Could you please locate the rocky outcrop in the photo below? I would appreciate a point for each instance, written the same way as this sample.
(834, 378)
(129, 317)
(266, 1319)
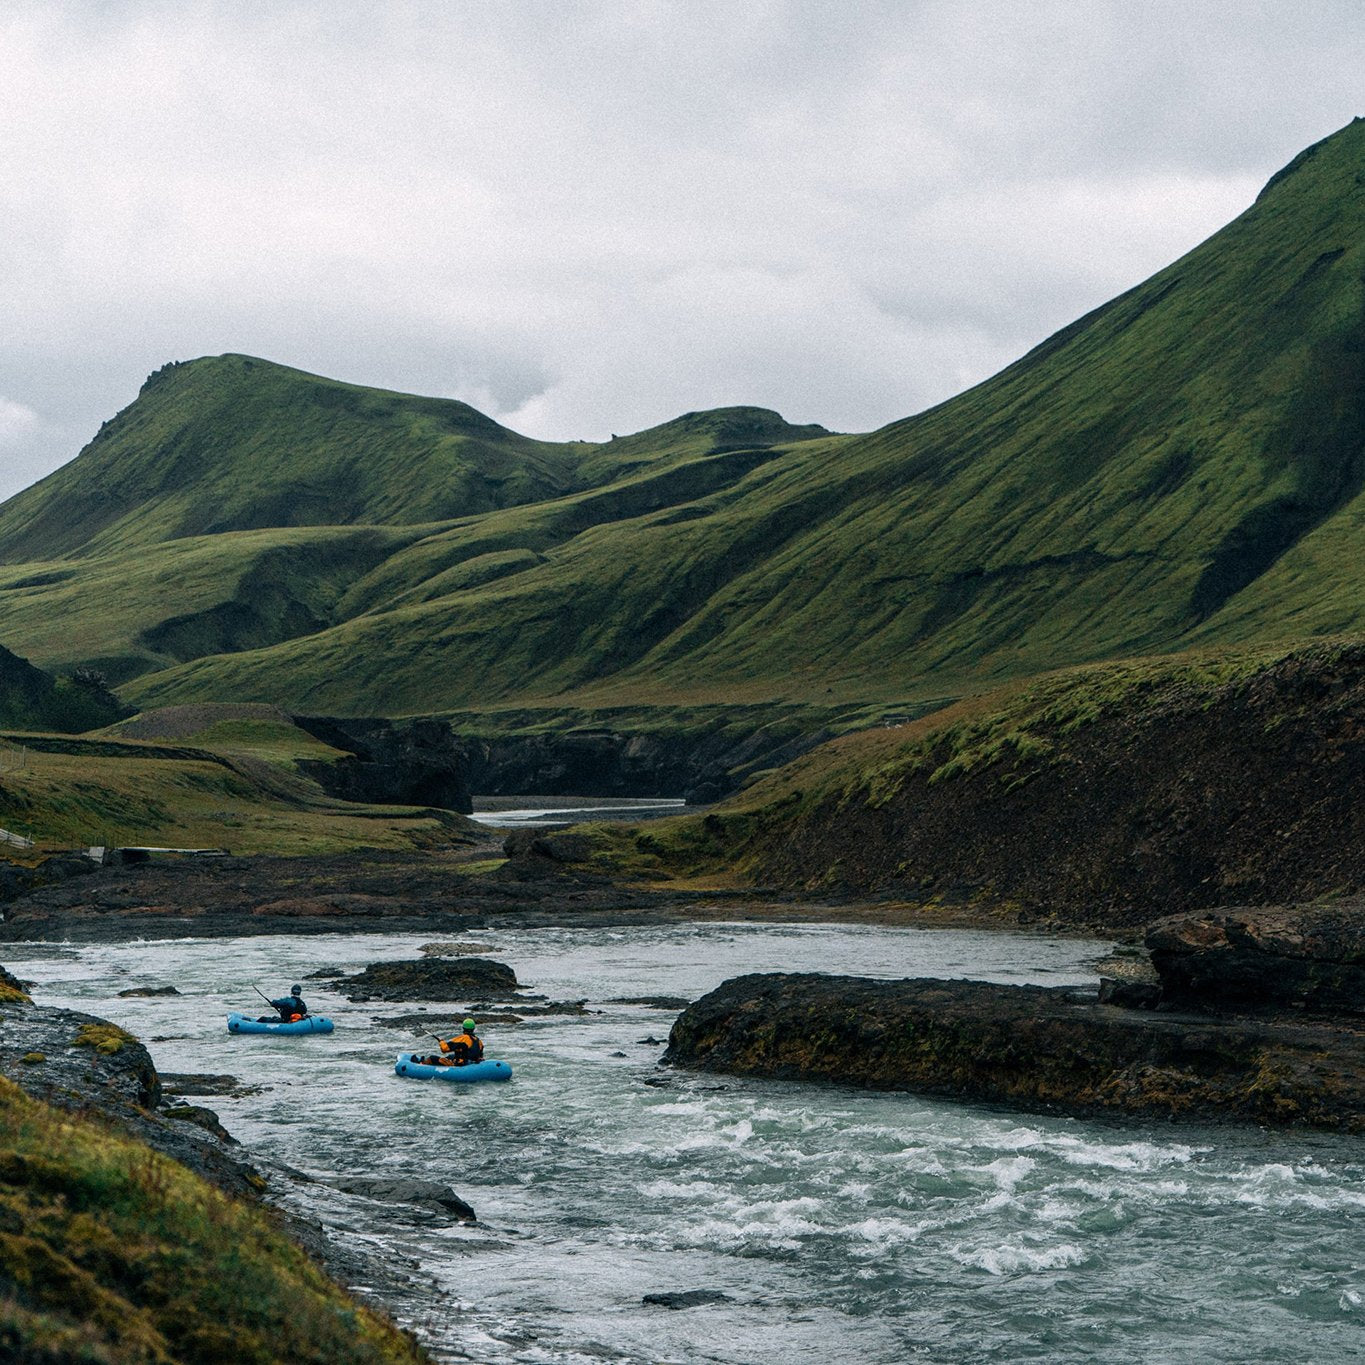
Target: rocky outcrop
(701, 765)
(409, 763)
(1112, 798)
(433, 978)
(1026, 1045)
(82, 1063)
(1311, 957)
(17, 879)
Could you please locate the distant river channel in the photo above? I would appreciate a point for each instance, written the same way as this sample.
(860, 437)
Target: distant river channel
(842, 1226)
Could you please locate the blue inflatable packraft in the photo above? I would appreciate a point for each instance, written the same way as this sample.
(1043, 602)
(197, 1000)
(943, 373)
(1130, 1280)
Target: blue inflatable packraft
(311, 1023)
(408, 1065)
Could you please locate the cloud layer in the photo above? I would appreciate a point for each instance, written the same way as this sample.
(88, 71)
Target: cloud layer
(588, 218)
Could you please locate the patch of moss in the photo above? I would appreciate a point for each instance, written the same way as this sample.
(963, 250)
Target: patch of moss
(33, 1058)
(104, 1038)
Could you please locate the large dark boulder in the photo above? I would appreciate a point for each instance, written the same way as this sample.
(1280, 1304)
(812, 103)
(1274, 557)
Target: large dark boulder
(1304, 955)
(433, 978)
(1025, 1045)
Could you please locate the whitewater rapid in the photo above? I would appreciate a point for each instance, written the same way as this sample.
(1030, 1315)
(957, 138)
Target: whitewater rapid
(842, 1226)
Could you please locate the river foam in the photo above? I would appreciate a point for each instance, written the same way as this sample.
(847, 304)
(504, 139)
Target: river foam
(842, 1226)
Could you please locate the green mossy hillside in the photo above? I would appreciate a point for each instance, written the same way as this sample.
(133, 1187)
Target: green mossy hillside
(1182, 468)
(1108, 795)
(111, 1254)
(240, 792)
(33, 699)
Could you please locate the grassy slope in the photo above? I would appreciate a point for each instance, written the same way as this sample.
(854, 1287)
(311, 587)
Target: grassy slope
(244, 793)
(1108, 794)
(30, 698)
(1183, 466)
(232, 443)
(115, 1255)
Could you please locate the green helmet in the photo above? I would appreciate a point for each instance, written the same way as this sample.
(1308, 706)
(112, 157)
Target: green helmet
(468, 1023)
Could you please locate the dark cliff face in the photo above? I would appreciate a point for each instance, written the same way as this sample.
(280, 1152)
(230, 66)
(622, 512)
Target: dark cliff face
(407, 763)
(1304, 957)
(701, 766)
(1026, 1046)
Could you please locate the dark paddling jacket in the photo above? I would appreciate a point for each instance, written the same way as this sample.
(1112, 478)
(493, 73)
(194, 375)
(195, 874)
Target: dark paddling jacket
(290, 1007)
(463, 1050)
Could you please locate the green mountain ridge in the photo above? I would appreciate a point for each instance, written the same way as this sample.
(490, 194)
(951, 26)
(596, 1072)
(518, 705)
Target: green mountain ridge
(1181, 468)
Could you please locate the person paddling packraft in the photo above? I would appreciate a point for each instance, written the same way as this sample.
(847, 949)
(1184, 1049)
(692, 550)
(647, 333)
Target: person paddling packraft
(291, 1007)
(464, 1049)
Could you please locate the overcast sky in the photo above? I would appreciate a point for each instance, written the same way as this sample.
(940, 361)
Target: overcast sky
(585, 217)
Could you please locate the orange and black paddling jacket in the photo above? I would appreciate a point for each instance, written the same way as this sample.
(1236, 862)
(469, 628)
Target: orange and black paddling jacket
(463, 1050)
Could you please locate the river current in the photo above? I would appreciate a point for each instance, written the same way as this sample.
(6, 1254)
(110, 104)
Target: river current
(842, 1226)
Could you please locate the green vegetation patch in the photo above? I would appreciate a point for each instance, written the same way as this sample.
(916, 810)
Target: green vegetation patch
(105, 1038)
(113, 1254)
(132, 794)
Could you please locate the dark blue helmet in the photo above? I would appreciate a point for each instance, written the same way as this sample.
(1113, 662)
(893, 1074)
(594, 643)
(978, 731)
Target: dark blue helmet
(296, 990)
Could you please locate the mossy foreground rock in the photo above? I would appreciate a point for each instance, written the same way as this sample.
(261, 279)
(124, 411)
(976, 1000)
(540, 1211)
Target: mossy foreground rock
(1025, 1045)
(110, 1252)
(433, 978)
(1309, 956)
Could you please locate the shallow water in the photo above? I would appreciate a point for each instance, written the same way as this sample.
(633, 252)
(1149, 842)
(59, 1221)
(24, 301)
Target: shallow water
(844, 1226)
(549, 811)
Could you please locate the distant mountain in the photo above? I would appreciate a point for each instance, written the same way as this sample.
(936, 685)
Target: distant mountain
(1182, 467)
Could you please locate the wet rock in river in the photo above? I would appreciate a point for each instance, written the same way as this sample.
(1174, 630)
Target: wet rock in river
(425, 1194)
(201, 1118)
(433, 978)
(205, 1083)
(687, 1298)
(1027, 1045)
(147, 991)
(654, 1002)
(452, 949)
(1309, 956)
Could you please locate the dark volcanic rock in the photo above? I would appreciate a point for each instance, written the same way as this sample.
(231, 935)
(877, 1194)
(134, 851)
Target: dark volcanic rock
(16, 879)
(557, 847)
(426, 1194)
(149, 991)
(200, 1083)
(433, 978)
(1133, 995)
(1310, 956)
(121, 1084)
(687, 1298)
(413, 763)
(654, 1002)
(1025, 1045)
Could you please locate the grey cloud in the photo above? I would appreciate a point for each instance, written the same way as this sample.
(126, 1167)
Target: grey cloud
(591, 217)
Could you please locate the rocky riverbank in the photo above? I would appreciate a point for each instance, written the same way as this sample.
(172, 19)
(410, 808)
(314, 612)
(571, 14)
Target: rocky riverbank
(124, 1212)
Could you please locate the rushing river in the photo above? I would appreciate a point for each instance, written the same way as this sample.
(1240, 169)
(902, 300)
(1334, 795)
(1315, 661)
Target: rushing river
(843, 1226)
